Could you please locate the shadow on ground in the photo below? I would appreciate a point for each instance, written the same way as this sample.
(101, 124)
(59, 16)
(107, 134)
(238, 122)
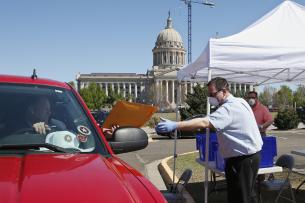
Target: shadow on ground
(196, 190)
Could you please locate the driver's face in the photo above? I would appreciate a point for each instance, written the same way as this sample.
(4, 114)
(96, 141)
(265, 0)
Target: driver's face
(42, 110)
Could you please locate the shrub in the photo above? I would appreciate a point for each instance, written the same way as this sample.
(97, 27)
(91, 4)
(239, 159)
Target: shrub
(286, 119)
(196, 103)
(301, 113)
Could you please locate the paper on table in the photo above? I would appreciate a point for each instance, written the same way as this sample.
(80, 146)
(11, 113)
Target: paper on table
(129, 114)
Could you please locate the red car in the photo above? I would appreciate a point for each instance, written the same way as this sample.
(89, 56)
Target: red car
(52, 150)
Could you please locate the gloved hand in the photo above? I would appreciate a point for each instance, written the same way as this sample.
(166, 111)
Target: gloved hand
(166, 126)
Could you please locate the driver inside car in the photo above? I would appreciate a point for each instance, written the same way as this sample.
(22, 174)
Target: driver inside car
(38, 117)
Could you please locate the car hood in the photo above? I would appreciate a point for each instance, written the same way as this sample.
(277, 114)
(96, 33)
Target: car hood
(68, 178)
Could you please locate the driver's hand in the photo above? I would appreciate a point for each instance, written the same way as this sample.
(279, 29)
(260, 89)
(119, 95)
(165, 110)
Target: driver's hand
(108, 131)
(41, 128)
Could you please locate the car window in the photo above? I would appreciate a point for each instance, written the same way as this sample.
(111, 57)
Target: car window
(30, 114)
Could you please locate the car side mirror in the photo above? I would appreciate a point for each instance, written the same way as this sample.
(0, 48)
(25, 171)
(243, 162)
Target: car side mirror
(128, 139)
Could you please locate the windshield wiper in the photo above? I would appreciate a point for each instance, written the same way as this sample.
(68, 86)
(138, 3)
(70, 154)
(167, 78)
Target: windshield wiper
(37, 146)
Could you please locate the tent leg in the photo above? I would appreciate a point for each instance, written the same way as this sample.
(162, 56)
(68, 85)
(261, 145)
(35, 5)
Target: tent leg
(207, 141)
(176, 133)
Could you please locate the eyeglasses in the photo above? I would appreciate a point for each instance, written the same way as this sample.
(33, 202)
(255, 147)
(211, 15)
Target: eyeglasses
(214, 93)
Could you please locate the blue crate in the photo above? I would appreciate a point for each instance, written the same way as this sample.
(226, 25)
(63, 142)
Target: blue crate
(198, 141)
(200, 145)
(269, 151)
(219, 161)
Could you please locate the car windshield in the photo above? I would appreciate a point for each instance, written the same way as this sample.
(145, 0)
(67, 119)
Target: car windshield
(45, 119)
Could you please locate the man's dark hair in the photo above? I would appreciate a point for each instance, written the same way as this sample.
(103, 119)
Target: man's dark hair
(220, 83)
(253, 92)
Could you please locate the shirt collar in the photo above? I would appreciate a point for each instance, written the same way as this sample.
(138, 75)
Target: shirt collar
(229, 98)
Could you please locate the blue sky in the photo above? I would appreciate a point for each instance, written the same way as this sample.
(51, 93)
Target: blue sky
(63, 37)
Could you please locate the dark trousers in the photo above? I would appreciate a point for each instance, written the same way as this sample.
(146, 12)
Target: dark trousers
(241, 173)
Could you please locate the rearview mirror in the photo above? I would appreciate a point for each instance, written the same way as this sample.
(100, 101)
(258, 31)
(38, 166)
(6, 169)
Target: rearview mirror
(128, 139)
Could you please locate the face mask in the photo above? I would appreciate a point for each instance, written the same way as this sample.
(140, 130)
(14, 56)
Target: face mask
(251, 102)
(213, 101)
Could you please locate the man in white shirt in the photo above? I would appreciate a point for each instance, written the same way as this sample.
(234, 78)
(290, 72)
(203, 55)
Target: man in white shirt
(238, 137)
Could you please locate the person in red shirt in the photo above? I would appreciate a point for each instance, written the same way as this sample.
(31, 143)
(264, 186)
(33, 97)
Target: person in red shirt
(262, 115)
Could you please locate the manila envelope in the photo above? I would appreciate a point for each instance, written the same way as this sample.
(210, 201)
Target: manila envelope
(129, 114)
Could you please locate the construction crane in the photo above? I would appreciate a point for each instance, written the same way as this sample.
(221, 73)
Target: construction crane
(189, 24)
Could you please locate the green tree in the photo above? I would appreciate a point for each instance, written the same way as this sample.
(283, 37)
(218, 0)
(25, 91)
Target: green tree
(266, 97)
(113, 97)
(241, 94)
(284, 97)
(196, 103)
(299, 96)
(286, 119)
(93, 96)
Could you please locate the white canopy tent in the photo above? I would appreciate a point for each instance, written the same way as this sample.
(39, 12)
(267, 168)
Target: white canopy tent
(271, 50)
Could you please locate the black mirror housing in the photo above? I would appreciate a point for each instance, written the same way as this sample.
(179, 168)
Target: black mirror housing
(128, 139)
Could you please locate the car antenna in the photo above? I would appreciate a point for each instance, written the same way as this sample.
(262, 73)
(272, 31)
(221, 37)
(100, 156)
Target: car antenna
(34, 76)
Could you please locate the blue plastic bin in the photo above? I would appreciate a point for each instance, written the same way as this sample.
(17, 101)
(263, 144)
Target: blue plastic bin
(200, 145)
(219, 161)
(269, 151)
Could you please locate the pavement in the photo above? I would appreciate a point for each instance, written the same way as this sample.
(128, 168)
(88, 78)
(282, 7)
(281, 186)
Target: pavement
(163, 177)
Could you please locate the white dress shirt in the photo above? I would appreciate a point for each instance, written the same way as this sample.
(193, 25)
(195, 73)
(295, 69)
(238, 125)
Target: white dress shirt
(236, 128)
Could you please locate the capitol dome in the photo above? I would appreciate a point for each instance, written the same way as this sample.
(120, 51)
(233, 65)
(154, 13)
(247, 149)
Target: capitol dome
(169, 36)
(169, 51)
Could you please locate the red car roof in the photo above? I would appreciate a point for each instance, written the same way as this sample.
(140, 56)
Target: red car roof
(29, 80)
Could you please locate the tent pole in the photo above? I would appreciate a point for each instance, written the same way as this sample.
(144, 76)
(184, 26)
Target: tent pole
(207, 141)
(176, 132)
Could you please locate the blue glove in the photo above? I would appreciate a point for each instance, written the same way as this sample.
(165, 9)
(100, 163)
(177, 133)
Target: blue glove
(166, 126)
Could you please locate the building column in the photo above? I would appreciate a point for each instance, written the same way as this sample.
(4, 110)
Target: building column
(106, 88)
(156, 91)
(161, 95)
(251, 87)
(234, 87)
(192, 90)
(174, 58)
(124, 90)
(129, 87)
(135, 90)
(245, 87)
(173, 91)
(142, 87)
(118, 84)
(185, 88)
(240, 87)
(112, 87)
(166, 85)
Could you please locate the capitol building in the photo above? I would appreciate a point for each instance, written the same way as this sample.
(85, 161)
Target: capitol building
(159, 85)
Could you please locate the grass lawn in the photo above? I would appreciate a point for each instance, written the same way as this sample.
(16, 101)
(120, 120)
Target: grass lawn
(196, 186)
(170, 116)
